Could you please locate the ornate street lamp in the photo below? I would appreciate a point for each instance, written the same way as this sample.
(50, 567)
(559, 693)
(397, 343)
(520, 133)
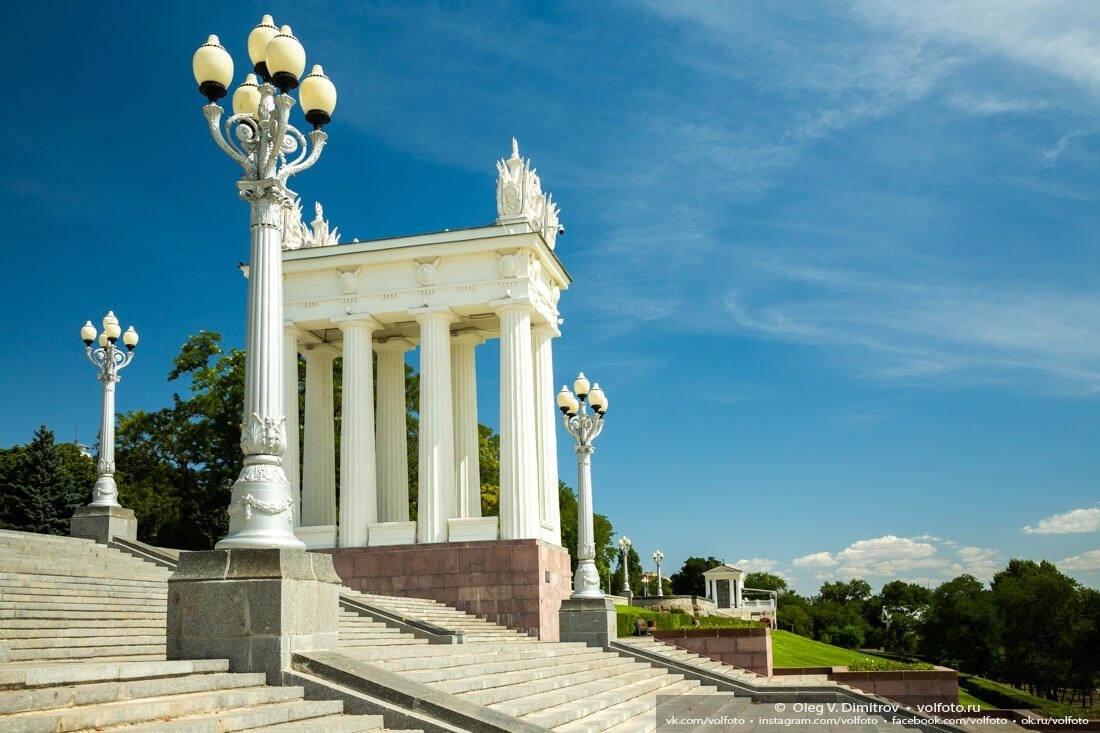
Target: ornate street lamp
(584, 428)
(624, 547)
(109, 360)
(657, 557)
(260, 139)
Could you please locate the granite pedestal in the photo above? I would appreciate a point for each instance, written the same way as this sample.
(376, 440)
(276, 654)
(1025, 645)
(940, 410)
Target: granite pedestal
(101, 523)
(251, 606)
(591, 620)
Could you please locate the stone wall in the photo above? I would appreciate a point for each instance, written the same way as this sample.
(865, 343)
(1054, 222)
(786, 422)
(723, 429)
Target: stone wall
(912, 688)
(516, 583)
(691, 605)
(749, 648)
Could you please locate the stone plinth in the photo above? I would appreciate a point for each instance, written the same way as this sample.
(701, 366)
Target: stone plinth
(516, 583)
(909, 687)
(101, 523)
(748, 648)
(252, 606)
(591, 620)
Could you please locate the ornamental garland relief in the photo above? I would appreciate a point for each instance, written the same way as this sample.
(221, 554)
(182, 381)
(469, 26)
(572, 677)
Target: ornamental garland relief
(265, 435)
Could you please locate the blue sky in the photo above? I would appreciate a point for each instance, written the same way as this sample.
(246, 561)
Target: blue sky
(836, 265)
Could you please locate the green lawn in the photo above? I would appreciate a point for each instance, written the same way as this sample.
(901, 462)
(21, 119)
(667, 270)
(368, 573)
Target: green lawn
(792, 650)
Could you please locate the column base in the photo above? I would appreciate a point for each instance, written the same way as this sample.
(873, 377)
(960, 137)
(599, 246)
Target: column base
(253, 607)
(101, 523)
(591, 620)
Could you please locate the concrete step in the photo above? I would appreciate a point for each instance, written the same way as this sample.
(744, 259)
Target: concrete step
(636, 715)
(148, 710)
(569, 696)
(46, 674)
(79, 642)
(607, 707)
(437, 657)
(527, 684)
(146, 651)
(505, 672)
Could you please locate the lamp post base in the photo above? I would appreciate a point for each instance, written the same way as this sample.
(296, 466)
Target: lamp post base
(102, 522)
(591, 620)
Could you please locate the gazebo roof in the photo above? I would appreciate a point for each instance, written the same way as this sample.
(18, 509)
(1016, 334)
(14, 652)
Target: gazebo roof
(723, 572)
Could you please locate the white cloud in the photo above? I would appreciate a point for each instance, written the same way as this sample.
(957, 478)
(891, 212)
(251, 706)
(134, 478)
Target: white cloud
(816, 560)
(886, 556)
(1077, 520)
(757, 565)
(1089, 560)
(981, 562)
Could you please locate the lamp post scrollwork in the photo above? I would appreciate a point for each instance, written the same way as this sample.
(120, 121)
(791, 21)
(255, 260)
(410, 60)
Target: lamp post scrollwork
(259, 137)
(109, 360)
(584, 427)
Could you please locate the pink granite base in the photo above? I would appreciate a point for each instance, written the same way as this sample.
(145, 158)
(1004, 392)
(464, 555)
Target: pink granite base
(516, 583)
(748, 648)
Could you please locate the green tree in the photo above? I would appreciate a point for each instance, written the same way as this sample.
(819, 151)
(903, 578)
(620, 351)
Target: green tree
(838, 613)
(894, 616)
(1039, 609)
(179, 463)
(43, 483)
(766, 581)
(689, 581)
(961, 627)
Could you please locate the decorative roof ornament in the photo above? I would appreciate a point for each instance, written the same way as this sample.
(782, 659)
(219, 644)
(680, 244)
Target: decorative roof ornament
(520, 197)
(297, 235)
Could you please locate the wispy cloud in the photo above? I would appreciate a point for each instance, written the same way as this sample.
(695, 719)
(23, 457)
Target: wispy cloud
(1089, 560)
(1077, 520)
(924, 559)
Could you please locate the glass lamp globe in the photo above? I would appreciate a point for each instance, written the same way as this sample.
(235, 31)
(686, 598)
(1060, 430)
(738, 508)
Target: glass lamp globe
(213, 69)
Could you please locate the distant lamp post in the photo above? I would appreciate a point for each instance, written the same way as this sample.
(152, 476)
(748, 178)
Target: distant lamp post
(657, 557)
(269, 150)
(624, 546)
(109, 360)
(584, 428)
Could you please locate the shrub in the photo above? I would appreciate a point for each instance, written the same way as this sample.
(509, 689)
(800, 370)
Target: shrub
(877, 664)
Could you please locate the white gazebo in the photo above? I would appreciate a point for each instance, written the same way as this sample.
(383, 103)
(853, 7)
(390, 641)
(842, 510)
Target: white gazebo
(445, 294)
(724, 586)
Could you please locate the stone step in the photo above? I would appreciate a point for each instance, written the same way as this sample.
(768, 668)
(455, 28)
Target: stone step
(78, 643)
(523, 704)
(401, 659)
(75, 604)
(64, 614)
(90, 583)
(30, 628)
(153, 651)
(317, 716)
(631, 699)
(48, 674)
(636, 715)
(458, 680)
(94, 693)
(30, 591)
(527, 684)
(148, 710)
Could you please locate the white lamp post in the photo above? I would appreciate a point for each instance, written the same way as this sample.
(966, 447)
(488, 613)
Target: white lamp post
(584, 428)
(657, 557)
(260, 139)
(624, 546)
(109, 360)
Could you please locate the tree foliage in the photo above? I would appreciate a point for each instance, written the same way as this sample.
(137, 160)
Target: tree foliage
(689, 581)
(43, 483)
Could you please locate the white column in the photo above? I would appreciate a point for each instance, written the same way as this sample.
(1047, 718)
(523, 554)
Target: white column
(464, 384)
(291, 455)
(738, 584)
(392, 434)
(519, 493)
(546, 445)
(358, 477)
(436, 494)
(319, 459)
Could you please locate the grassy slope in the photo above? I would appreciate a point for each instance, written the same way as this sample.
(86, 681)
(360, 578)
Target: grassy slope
(792, 650)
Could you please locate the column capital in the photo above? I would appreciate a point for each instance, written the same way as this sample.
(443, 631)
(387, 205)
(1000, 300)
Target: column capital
(434, 313)
(394, 343)
(512, 304)
(469, 336)
(344, 322)
(319, 349)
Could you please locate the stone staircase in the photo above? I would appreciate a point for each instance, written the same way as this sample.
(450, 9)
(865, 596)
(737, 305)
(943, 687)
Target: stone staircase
(82, 639)
(82, 642)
